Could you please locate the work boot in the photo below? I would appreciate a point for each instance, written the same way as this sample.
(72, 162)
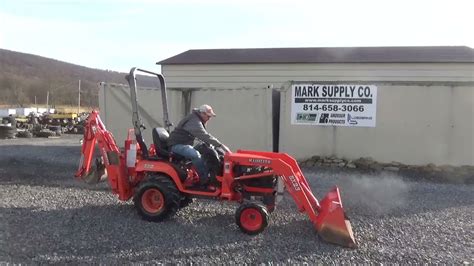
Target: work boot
(203, 183)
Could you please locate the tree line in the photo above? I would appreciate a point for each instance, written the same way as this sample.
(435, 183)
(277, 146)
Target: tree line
(26, 79)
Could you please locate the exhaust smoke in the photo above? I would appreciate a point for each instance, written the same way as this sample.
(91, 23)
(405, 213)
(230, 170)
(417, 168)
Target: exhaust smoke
(374, 195)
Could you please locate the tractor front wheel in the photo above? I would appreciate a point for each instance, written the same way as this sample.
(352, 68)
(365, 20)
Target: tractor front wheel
(156, 198)
(252, 218)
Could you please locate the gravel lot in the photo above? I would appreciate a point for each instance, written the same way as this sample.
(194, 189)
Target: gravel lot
(48, 217)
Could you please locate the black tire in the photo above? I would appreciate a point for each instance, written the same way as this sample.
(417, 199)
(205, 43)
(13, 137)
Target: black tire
(45, 134)
(54, 128)
(79, 129)
(252, 218)
(7, 132)
(185, 201)
(24, 134)
(156, 198)
(269, 202)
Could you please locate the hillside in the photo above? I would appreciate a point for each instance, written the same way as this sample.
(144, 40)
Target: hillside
(24, 76)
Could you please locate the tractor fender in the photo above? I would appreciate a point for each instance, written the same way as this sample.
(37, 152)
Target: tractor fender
(160, 167)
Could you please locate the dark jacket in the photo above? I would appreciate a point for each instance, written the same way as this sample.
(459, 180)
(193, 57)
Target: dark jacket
(188, 129)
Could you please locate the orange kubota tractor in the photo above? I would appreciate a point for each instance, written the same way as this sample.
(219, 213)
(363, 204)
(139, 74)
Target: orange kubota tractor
(161, 182)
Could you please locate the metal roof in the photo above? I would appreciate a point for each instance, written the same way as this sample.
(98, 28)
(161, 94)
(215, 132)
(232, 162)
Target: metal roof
(413, 54)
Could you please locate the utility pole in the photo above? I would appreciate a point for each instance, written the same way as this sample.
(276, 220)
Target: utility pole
(47, 101)
(79, 99)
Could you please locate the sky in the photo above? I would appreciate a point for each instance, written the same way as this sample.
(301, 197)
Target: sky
(120, 34)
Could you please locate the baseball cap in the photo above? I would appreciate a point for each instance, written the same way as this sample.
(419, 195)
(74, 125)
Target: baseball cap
(207, 109)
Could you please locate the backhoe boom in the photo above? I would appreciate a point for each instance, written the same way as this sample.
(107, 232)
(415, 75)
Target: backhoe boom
(96, 133)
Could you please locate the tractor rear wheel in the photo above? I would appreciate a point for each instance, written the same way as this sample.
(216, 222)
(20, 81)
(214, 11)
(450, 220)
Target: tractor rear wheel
(252, 218)
(156, 198)
(185, 201)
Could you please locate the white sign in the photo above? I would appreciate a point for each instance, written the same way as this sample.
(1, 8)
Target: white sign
(334, 105)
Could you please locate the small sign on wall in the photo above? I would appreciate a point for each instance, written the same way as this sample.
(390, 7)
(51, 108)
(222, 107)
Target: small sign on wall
(348, 105)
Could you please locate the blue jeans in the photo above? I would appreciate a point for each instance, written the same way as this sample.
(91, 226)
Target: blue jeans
(190, 153)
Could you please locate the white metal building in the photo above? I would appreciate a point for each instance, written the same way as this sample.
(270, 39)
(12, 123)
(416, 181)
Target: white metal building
(424, 111)
(421, 110)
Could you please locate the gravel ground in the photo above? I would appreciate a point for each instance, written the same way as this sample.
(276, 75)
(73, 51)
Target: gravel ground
(48, 217)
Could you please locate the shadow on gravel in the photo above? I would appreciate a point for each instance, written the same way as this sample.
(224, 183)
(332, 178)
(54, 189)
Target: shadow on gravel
(108, 233)
(34, 165)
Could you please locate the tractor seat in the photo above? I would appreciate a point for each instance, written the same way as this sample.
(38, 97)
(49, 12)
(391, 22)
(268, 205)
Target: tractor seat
(160, 139)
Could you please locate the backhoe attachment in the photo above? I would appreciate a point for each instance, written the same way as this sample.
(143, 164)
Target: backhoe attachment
(93, 171)
(328, 217)
(110, 160)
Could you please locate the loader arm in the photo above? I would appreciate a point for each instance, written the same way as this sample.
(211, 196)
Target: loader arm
(327, 216)
(96, 133)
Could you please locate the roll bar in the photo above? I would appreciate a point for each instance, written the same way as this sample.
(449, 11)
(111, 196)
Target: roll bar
(136, 120)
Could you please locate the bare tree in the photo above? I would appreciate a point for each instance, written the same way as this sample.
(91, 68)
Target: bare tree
(15, 90)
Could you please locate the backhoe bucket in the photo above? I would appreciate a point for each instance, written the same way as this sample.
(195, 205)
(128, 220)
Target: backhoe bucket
(332, 224)
(96, 174)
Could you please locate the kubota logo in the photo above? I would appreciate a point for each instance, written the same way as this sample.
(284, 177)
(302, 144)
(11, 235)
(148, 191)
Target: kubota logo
(264, 161)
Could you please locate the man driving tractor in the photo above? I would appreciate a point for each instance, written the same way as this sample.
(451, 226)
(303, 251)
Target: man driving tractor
(192, 127)
(160, 187)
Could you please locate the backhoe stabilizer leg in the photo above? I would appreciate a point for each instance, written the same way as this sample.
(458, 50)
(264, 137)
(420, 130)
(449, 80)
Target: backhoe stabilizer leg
(85, 170)
(332, 224)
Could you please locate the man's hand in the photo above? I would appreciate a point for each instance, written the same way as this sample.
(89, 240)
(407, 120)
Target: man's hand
(225, 148)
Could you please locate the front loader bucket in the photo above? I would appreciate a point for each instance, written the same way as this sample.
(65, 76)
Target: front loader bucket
(327, 216)
(332, 224)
